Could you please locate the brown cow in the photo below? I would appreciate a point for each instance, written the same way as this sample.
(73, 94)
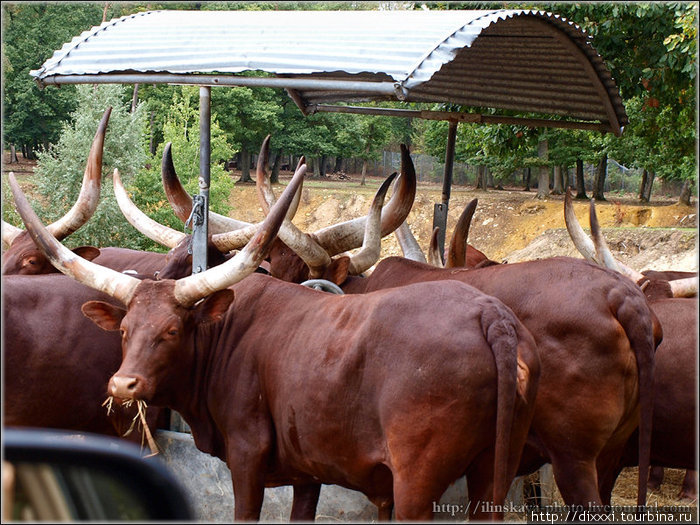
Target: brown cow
(69, 349)
(57, 363)
(674, 438)
(596, 338)
(252, 377)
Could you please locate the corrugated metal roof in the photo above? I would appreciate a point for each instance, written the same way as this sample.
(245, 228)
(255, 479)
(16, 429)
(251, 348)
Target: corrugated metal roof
(508, 59)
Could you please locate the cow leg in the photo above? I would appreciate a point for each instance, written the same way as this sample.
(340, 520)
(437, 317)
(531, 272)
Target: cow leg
(305, 502)
(577, 481)
(480, 488)
(689, 490)
(384, 509)
(608, 472)
(413, 501)
(248, 469)
(656, 478)
(248, 494)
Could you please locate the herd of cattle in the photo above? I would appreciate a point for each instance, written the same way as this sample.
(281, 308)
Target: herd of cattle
(412, 376)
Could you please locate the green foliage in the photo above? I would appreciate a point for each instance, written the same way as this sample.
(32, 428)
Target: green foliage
(60, 169)
(32, 31)
(248, 115)
(181, 128)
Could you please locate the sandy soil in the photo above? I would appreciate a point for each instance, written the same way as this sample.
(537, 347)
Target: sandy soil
(508, 225)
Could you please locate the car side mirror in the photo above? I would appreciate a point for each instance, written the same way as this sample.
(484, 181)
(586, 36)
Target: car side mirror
(56, 475)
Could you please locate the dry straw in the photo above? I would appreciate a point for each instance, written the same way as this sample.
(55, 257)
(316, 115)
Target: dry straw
(140, 416)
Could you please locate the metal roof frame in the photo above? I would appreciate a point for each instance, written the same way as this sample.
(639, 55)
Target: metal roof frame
(530, 62)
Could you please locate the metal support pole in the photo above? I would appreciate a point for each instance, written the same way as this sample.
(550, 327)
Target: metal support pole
(440, 212)
(200, 209)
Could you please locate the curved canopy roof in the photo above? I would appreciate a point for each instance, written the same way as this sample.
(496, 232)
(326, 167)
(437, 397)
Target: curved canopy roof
(530, 62)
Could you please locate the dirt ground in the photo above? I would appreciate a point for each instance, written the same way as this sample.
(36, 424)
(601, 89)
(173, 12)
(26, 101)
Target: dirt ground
(509, 225)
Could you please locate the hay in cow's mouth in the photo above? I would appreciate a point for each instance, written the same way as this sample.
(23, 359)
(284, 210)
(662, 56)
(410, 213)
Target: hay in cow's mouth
(140, 416)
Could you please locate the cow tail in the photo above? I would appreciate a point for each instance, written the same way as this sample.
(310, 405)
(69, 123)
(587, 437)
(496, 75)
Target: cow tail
(644, 334)
(501, 335)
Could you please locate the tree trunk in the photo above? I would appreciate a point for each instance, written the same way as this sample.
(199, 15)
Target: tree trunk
(13, 154)
(599, 181)
(152, 136)
(489, 178)
(322, 166)
(566, 177)
(104, 12)
(558, 188)
(580, 182)
(364, 171)
(649, 185)
(339, 161)
(527, 175)
(135, 98)
(275, 173)
(245, 166)
(481, 177)
(685, 193)
(543, 178)
(643, 186)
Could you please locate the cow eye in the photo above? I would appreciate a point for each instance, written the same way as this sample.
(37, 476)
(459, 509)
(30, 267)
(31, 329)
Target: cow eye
(172, 331)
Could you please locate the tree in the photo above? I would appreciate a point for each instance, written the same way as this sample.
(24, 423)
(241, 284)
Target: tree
(181, 129)
(247, 116)
(650, 49)
(60, 169)
(32, 31)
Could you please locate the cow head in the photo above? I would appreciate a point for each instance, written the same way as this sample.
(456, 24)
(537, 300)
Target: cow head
(296, 256)
(598, 252)
(158, 320)
(23, 256)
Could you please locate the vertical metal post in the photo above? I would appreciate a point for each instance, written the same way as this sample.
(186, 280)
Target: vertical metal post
(440, 211)
(200, 228)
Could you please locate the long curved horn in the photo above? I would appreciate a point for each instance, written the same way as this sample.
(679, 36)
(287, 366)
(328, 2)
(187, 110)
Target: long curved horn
(189, 290)
(434, 257)
(142, 222)
(687, 287)
(89, 196)
(303, 244)
(409, 246)
(116, 284)
(181, 201)
(582, 242)
(236, 239)
(348, 235)
(263, 185)
(9, 231)
(604, 254)
(457, 255)
(372, 244)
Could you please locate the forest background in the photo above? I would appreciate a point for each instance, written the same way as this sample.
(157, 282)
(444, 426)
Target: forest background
(650, 49)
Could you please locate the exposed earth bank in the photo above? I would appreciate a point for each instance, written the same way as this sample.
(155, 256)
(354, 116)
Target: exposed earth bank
(508, 225)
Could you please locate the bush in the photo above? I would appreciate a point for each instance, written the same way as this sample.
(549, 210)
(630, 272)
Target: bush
(59, 171)
(182, 130)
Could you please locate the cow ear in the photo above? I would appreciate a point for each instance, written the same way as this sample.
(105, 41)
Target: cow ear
(87, 252)
(104, 315)
(214, 307)
(337, 271)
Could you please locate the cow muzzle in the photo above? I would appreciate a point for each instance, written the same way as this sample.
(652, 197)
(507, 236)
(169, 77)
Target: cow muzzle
(124, 387)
